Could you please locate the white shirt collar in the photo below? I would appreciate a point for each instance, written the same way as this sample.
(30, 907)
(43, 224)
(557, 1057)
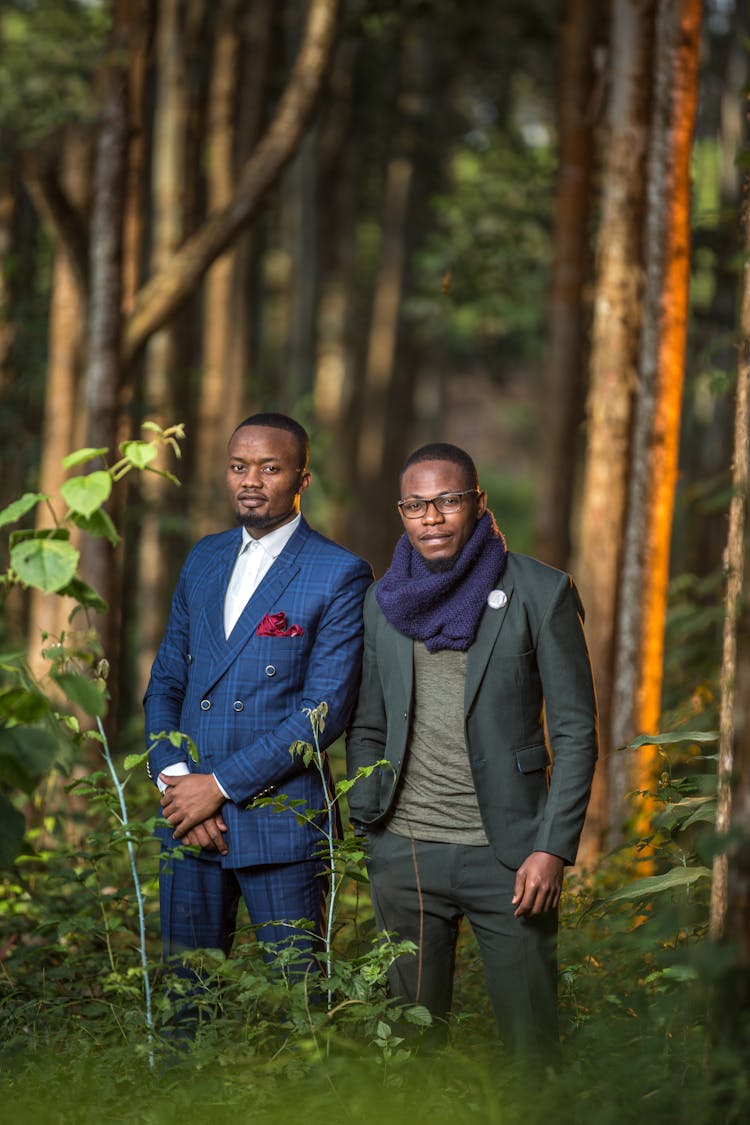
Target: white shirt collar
(275, 542)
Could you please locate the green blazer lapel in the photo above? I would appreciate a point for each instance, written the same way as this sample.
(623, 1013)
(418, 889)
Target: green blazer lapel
(490, 626)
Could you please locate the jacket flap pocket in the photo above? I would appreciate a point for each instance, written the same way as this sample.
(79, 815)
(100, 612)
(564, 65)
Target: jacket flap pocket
(532, 758)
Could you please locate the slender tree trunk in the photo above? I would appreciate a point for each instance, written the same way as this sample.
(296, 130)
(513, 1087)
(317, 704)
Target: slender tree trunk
(62, 429)
(645, 572)
(100, 565)
(566, 358)
(734, 712)
(169, 170)
(383, 337)
(612, 378)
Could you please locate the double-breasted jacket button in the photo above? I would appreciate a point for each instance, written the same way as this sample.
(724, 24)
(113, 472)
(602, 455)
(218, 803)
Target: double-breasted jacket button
(205, 704)
(190, 658)
(238, 705)
(270, 670)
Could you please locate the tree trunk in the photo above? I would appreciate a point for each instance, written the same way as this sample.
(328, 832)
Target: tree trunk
(380, 370)
(62, 429)
(612, 379)
(645, 571)
(566, 356)
(735, 709)
(226, 306)
(162, 366)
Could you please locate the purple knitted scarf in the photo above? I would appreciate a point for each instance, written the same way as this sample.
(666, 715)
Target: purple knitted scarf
(442, 608)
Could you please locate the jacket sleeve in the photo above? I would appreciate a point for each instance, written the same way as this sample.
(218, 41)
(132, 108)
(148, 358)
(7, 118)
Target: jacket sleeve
(571, 717)
(367, 735)
(331, 676)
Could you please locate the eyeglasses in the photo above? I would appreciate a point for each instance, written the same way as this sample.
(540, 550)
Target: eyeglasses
(446, 503)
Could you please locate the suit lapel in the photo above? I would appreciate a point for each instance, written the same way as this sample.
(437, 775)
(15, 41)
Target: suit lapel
(224, 651)
(490, 626)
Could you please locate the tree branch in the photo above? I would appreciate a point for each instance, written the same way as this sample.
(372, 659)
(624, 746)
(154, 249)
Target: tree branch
(164, 293)
(53, 207)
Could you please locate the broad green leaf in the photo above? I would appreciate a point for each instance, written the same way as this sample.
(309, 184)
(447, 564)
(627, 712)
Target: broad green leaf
(81, 456)
(86, 494)
(419, 1015)
(12, 829)
(133, 761)
(21, 705)
(84, 595)
(85, 693)
(48, 564)
(26, 753)
(672, 737)
(18, 509)
(655, 884)
(138, 453)
(98, 523)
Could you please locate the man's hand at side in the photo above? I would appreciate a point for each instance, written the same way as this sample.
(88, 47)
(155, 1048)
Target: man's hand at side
(538, 884)
(191, 800)
(208, 835)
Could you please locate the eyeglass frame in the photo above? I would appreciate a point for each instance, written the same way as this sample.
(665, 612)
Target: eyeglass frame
(433, 500)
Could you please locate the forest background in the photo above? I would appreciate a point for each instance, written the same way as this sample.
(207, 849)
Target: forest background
(518, 226)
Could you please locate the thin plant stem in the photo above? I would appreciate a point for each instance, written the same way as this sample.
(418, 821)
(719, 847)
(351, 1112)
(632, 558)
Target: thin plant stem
(120, 790)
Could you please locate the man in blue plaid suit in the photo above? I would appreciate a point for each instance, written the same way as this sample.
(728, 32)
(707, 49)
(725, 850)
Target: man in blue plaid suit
(266, 621)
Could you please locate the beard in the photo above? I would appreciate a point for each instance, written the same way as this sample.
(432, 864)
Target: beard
(440, 566)
(256, 522)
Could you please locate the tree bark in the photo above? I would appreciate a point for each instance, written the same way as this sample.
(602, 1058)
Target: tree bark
(62, 428)
(566, 353)
(735, 711)
(645, 571)
(612, 379)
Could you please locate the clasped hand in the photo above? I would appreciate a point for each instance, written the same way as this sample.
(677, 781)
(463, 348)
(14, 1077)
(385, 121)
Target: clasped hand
(190, 803)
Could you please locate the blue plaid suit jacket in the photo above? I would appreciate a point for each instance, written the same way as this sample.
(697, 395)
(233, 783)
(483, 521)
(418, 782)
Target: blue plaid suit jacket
(241, 699)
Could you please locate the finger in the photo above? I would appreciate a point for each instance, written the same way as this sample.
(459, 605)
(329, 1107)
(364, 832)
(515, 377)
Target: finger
(520, 885)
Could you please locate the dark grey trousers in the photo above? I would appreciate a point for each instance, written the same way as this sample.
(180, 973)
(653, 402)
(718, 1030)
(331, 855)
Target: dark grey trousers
(421, 891)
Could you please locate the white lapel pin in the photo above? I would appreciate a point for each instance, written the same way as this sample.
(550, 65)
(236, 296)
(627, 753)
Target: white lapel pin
(496, 599)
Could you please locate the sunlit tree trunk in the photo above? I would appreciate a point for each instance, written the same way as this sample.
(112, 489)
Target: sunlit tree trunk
(612, 374)
(645, 571)
(62, 429)
(564, 380)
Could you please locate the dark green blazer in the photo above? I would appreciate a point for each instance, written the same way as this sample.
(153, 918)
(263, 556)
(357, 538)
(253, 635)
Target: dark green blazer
(528, 665)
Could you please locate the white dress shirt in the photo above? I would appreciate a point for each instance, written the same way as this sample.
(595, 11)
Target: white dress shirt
(254, 560)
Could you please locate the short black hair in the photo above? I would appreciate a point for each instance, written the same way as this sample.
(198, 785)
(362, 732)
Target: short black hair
(443, 451)
(276, 421)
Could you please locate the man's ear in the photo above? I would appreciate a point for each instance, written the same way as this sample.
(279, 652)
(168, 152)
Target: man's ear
(304, 481)
(481, 504)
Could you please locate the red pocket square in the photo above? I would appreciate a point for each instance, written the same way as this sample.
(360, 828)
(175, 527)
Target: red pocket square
(274, 625)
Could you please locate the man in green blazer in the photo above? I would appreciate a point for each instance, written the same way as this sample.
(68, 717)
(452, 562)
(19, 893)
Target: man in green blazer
(477, 692)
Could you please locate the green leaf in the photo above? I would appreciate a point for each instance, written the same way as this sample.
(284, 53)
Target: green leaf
(138, 453)
(419, 1015)
(672, 737)
(99, 523)
(20, 507)
(81, 456)
(12, 829)
(133, 761)
(86, 494)
(26, 753)
(21, 705)
(84, 595)
(85, 693)
(48, 564)
(655, 884)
